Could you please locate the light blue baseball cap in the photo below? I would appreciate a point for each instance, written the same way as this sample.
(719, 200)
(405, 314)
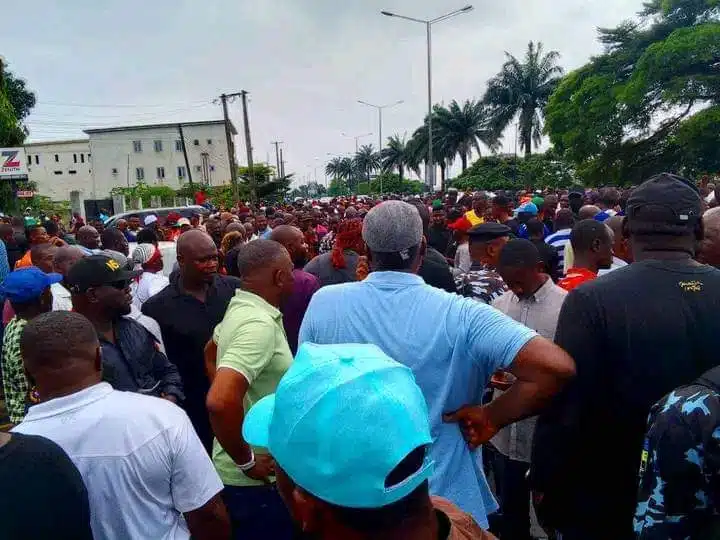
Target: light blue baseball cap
(342, 418)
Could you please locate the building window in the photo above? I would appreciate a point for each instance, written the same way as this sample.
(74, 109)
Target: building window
(139, 174)
(137, 146)
(57, 158)
(29, 160)
(181, 172)
(114, 171)
(58, 172)
(196, 142)
(212, 168)
(37, 159)
(72, 172)
(178, 145)
(158, 146)
(74, 158)
(89, 156)
(198, 168)
(82, 158)
(161, 172)
(209, 141)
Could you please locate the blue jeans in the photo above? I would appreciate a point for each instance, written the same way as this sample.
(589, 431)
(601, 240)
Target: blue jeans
(258, 513)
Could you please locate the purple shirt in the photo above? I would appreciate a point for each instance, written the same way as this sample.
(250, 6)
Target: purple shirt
(293, 309)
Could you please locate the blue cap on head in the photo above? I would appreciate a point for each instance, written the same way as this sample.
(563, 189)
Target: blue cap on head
(26, 284)
(342, 418)
(528, 208)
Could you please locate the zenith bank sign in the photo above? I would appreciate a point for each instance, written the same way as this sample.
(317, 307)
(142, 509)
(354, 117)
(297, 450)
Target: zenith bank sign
(12, 162)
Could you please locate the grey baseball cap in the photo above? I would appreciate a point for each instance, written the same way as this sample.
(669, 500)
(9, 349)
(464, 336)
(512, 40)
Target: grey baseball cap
(391, 227)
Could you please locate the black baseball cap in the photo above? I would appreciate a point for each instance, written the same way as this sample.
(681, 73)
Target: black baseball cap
(97, 270)
(664, 204)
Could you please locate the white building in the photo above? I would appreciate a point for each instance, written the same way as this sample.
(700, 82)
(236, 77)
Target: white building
(153, 154)
(89, 169)
(59, 167)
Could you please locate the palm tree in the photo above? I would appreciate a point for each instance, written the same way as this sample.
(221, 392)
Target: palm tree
(367, 160)
(397, 155)
(461, 129)
(418, 149)
(522, 89)
(334, 167)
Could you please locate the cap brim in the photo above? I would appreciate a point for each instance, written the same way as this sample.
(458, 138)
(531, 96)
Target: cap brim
(256, 427)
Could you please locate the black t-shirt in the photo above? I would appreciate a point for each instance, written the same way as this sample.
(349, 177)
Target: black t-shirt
(435, 270)
(635, 334)
(439, 238)
(43, 493)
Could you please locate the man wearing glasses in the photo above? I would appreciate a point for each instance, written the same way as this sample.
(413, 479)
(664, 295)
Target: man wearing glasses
(131, 357)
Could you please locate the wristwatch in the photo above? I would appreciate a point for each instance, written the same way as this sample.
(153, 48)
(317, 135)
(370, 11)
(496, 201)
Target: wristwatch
(249, 465)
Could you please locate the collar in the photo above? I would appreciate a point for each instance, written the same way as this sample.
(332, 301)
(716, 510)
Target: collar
(539, 296)
(394, 278)
(65, 404)
(256, 301)
(58, 290)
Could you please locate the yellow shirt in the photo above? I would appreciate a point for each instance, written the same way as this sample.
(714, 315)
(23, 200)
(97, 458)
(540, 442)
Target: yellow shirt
(473, 218)
(250, 340)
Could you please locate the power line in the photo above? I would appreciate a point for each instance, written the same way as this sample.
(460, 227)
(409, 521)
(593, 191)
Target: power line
(118, 105)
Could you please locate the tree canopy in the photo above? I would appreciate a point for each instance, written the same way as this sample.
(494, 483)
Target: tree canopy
(648, 103)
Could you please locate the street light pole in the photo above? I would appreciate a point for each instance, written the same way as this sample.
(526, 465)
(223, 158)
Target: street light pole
(357, 138)
(380, 123)
(430, 167)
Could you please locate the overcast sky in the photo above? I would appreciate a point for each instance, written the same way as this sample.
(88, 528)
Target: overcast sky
(304, 62)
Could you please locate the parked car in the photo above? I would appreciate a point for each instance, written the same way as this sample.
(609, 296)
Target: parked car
(161, 213)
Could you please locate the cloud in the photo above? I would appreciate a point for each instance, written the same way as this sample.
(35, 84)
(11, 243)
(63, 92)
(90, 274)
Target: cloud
(304, 62)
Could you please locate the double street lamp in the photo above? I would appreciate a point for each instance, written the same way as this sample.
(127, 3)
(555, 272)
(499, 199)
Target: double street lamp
(430, 170)
(357, 138)
(380, 138)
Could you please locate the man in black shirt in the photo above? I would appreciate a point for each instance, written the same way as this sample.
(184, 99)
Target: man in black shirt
(439, 235)
(548, 254)
(44, 494)
(188, 311)
(435, 269)
(635, 334)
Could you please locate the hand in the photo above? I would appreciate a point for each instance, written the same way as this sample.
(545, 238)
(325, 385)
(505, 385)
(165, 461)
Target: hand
(475, 424)
(264, 468)
(169, 397)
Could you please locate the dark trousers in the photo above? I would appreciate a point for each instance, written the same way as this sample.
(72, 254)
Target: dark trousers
(258, 513)
(514, 494)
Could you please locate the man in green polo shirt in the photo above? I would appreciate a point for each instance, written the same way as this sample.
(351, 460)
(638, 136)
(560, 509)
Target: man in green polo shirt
(252, 356)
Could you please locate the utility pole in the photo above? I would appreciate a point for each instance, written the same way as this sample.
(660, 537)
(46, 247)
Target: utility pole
(282, 164)
(231, 147)
(277, 157)
(127, 172)
(248, 145)
(187, 163)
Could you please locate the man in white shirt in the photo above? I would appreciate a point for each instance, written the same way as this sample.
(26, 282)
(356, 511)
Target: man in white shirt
(535, 301)
(65, 258)
(146, 472)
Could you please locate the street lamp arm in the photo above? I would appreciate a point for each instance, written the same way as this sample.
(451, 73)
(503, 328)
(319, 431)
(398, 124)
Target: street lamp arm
(388, 14)
(451, 14)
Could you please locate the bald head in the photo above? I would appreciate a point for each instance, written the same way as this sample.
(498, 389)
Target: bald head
(589, 211)
(285, 234)
(293, 240)
(42, 255)
(197, 257)
(87, 236)
(709, 251)
(60, 350)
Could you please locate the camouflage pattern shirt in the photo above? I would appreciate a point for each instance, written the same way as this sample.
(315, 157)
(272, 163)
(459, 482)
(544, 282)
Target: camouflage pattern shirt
(481, 283)
(679, 495)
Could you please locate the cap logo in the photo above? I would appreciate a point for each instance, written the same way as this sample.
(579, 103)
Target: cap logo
(112, 265)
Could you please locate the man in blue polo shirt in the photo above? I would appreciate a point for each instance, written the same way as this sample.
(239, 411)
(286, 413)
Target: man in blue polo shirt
(452, 344)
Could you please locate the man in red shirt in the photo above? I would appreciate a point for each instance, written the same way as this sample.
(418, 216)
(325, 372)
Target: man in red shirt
(591, 243)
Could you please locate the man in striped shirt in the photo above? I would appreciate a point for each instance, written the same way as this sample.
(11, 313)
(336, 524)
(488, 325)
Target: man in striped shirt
(564, 221)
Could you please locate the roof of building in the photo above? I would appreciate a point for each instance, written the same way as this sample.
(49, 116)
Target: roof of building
(66, 141)
(156, 126)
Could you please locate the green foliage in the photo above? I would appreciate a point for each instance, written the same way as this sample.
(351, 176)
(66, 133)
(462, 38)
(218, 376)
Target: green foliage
(622, 117)
(263, 184)
(502, 172)
(15, 104)
(398, 156)
(392, 183)
(310, 190)
(11, 132)
(21, 99)
(338, 186)
(461, 129)
(522, 90)
(144, 192)
(366, 161)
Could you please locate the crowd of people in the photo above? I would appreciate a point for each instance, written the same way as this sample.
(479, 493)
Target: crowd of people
(513, 365)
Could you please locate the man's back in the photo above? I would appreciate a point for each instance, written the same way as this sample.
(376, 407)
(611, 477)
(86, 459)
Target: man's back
(635, 335)
(452, 345)
(140, 459)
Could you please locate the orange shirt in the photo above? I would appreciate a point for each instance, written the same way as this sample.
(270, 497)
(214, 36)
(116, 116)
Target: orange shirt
(576, 277)
(25, 261)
